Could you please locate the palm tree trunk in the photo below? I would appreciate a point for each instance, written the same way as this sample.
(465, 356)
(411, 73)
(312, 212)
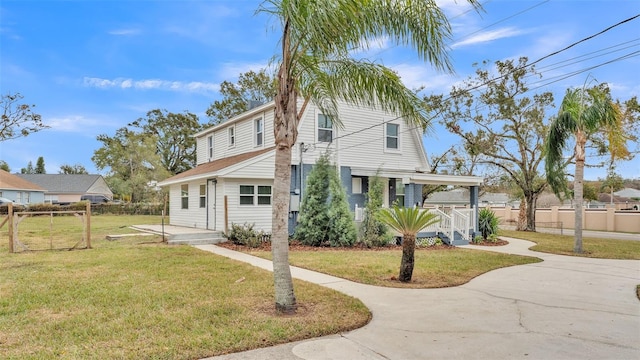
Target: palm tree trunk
(284, 294)
(285, 134)
(408, 257)
(578, 189)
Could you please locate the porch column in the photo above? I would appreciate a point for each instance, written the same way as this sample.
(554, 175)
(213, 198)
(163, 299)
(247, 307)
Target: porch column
(473, 201)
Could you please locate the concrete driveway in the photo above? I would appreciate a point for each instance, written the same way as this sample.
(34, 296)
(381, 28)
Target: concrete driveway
(562, 308)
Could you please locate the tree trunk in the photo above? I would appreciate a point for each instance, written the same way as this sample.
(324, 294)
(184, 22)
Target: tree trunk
(521, 225)
(531, 212)
(408, 257)
(578, 189)
(285, 134)
(284, 294)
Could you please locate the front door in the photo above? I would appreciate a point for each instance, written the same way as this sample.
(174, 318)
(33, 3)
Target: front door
(211, 204)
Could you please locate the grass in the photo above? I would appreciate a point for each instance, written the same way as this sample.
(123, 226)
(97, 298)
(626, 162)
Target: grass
(433, 268)
(593, 247)
(127, 299)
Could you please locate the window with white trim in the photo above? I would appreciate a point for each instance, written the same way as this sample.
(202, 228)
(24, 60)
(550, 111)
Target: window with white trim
(356, 185)
(184, 196)
(325, 128)
(259, 131)
(203, 196)
(210, 146)
(392, 136)
(255, 195)
(232, 136)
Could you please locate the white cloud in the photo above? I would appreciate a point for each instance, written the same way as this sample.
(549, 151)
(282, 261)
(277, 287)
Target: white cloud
(488, 36)
(422, 75)
(230, 71)
(124, 32)
(72, 123)
(151, 84)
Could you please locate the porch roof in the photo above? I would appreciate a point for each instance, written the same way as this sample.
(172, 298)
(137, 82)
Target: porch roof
(213, 168)
(418, 177)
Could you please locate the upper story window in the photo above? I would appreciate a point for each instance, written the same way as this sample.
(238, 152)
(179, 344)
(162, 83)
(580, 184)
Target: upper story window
(184, 196)
(210, 146)
(259, 131)
(325, 128)
(232, 136)
(392, 136)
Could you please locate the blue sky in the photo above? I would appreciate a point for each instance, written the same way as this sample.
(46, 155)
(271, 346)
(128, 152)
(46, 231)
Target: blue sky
(91, 67)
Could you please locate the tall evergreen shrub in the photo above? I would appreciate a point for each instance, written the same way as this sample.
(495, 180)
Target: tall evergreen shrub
(313, 223)
(372, 231)
(342, 228)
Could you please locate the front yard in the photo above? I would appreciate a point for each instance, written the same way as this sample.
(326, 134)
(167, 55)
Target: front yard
(135, 299)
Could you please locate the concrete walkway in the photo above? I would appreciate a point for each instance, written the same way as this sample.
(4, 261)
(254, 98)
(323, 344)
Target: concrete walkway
(562, 308)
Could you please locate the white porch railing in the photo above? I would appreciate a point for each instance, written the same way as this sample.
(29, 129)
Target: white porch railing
(460, 220)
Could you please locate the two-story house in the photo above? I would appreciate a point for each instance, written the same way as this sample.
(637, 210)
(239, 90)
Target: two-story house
(233, 179)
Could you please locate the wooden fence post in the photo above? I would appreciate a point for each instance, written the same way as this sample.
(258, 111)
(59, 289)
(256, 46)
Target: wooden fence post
(10, 218)
(88, 234)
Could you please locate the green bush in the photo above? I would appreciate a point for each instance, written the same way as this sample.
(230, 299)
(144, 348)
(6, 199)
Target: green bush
(488, 224)
(373, 232)
(246, 235)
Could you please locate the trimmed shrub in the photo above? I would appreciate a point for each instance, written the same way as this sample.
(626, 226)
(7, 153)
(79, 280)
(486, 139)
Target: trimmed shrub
(246, 235)
(313, 223)
(342, 228)
(373, 232)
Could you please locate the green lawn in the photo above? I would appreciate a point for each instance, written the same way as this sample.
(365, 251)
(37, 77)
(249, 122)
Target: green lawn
(593, 247)
(134, 299)
(433, 268)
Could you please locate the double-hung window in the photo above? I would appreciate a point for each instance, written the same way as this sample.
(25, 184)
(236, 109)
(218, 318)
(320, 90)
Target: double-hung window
(184, 196)
(232, 136)
(255, 195)
(400, 192)
(259, 130)
(392, 137)
(325, 128)
(210, 146)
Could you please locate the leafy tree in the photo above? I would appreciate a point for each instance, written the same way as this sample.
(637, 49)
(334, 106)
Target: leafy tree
(4, 166)
(29, 169)
(590, 193)
(316, 64)
(175, 143)
(72, 169)
(40, 166)
(611, 184)
(252, 86)
(374, 232)
(407, 221)
(313, 224)
(342, 228)
(583, 113)
(500, 125)
(132, 161)
(18, 119)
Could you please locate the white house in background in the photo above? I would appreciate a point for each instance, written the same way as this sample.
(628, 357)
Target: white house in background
(233, 179)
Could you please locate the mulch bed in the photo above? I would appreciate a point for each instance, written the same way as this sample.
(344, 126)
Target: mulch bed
(297, 246)
(498, 242)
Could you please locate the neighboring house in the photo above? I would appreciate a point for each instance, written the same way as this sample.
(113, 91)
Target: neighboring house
(461, 197)
(69, 188)
(628, 193)
(20, 190)
(233, 179)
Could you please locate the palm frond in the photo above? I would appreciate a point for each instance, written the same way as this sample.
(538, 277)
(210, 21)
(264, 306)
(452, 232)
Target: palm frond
(560, 130)
(407, 221)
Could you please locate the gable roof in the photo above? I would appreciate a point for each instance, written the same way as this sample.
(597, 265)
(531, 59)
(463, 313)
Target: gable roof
(210, 168)
(14, 182)
(628, 193)
(63, 183)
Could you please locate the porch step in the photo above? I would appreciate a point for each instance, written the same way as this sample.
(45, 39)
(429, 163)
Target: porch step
(457, 241)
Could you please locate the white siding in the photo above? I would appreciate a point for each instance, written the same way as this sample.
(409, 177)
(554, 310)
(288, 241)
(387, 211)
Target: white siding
(194, 216)
(202, 155)
(366, 148)
(260, 215)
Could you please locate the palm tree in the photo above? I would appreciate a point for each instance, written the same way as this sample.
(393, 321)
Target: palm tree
(583, 112)
(316, 64)
(408, 222)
